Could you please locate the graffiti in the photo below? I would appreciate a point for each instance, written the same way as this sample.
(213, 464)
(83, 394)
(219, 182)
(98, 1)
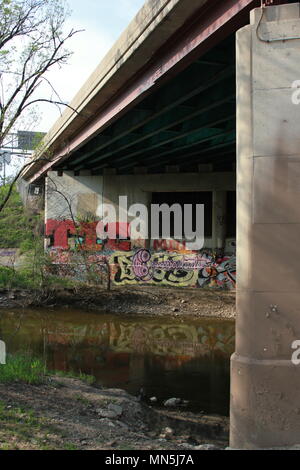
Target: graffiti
(66, 235)
(143, 266)
(72, 248)
(174, 269)
(93, 236)
(169, 245)
(140, 265)
(219, 273)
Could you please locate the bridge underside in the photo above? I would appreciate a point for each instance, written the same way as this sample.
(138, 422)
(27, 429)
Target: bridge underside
(188, 121)
(175, 146)
(179, 140)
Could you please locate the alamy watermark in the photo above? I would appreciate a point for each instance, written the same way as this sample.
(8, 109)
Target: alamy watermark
(296, 93)
(143, 225)
(2, 352)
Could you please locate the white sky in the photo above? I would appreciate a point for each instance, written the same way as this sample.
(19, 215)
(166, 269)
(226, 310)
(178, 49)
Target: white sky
(103, 22)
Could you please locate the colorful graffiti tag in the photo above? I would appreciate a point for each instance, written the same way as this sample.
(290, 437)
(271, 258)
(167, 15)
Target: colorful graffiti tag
(142, 266)
(174, 269)
(73, 248)
(65, 234)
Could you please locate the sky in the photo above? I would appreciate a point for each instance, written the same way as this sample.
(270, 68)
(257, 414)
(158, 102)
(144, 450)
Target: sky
(102, 21)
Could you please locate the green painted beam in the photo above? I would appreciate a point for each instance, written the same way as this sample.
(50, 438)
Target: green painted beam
(224, 116)
(182, 91)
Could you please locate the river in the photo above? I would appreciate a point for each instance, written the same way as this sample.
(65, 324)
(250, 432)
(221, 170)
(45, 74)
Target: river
(184, 358)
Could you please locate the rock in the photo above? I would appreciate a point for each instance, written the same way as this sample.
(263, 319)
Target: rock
(175, 309)
(171, 402)
(206, 447)
(107, 422)
(122, 425)
(117, 409)
(167, 433)
(153, 400)
(107, 414)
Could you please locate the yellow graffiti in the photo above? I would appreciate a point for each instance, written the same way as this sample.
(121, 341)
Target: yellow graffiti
(123, 273)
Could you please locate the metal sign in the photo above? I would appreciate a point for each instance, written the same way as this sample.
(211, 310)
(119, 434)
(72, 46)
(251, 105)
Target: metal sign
(5, 157)
(29, 140)
(35, 190)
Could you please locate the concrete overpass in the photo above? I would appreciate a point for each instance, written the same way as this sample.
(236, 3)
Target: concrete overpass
(158, 121)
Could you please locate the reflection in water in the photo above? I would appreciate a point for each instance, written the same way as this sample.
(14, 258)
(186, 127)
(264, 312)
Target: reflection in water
(168, 358)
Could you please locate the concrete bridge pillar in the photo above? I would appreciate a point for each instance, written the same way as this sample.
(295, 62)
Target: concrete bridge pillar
(265, 384)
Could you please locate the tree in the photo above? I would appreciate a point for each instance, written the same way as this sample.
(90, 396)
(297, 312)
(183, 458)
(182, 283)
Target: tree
(32, 42)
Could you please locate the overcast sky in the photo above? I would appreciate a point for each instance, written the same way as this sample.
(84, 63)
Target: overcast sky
(103, 22)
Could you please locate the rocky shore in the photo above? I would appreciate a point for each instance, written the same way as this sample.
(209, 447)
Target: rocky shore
(129, 300)
(66, 413)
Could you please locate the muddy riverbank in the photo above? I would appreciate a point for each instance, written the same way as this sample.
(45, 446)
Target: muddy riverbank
(130, 300)
(65, 413)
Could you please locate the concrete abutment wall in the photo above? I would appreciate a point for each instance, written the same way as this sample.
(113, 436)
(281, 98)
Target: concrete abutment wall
(74, 205)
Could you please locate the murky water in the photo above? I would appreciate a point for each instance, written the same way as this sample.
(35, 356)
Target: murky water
(168, 358)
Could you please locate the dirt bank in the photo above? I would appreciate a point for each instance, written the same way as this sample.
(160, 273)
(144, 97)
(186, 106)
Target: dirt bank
(66, 413)
(134, 300)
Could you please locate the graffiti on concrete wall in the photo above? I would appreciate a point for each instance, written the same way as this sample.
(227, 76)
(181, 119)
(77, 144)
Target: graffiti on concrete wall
(143, 266)
(174, 269)
(73, 248)
(66, 234)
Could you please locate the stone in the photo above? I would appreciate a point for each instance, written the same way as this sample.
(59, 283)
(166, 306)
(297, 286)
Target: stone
(206, 447)
(107, 414)
(117, 409)
(171, 402)
(167, 433)
(153, 400)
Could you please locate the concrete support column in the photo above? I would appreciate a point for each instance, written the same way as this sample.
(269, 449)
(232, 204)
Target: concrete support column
(265, 384)
(219, 220)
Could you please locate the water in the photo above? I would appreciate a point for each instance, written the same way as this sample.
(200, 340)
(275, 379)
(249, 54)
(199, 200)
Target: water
(167, 357)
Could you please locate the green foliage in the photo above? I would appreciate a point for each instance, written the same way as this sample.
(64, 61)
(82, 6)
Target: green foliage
(17, 226)
(10, 279)
(22, 368)
(87, 217)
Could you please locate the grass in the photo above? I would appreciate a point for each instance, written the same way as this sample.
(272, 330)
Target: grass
(22, 368)
(27, 369)
(21, 429)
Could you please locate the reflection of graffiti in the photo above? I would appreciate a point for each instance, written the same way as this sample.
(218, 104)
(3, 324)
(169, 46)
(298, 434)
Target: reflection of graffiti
(200, 338)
